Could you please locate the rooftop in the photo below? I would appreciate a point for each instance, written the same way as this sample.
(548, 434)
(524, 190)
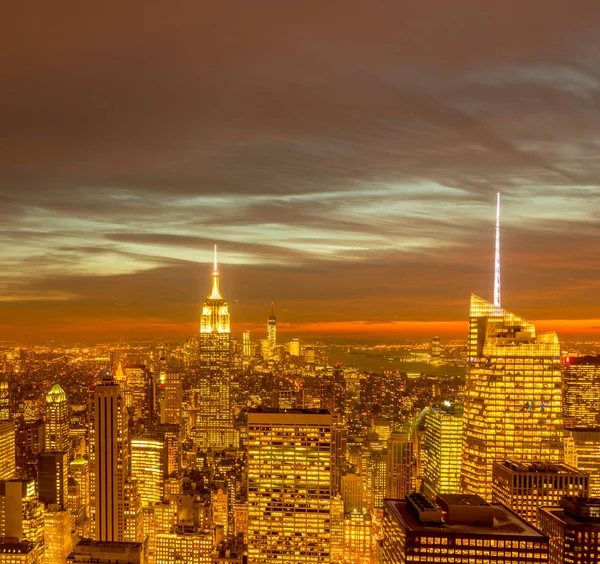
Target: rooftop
(505, 523)
(9, 546)
(544, 467)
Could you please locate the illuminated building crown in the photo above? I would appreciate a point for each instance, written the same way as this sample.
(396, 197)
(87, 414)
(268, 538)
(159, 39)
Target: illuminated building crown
(56, 395)
(215, 312)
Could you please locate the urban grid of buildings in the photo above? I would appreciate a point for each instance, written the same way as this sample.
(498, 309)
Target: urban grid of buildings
(225, 451)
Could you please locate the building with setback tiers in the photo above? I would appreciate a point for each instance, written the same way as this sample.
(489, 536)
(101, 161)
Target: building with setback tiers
(212, 387)
(513, 401)
(289, 486)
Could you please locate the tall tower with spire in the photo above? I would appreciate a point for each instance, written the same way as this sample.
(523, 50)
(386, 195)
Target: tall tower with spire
(513, 401)
(212, 393)
(272, 332)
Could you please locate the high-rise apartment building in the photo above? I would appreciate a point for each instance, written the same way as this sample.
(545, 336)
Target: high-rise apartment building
(272, 332)
(214, 417)
(109, 461)
(463, 529)
(513, 403)
(289, 486)
(525, 486)
(56, 436)
(443, 428)
(573, 527)
(400, 466)
(581, 391)
(7, 450)
(148, 468)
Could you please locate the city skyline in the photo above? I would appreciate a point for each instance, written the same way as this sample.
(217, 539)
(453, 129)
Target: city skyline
(346, 165)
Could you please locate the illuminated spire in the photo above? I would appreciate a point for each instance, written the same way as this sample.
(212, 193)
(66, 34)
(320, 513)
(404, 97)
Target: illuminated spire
(120, 374)
(215, 293)
(497, 256)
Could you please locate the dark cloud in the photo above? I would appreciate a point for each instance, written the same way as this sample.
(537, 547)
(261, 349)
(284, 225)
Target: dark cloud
(345, 154)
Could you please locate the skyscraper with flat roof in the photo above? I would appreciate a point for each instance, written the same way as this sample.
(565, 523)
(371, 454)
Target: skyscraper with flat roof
(148, 464)
(443, 441)
(573, 526)
(513, 401)
(460, 528)
(581, 391)
(109, 461)
(289, 486)
(7, 450)
(525, 486)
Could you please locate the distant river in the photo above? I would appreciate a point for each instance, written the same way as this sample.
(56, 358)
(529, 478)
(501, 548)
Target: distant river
(367, 361)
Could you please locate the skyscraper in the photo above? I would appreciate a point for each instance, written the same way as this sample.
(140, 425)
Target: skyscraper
(109, 461)
(148, 468)
(4, 400)
(246, 344)
(171, 408)
(513, 403)
(443, 441)
(525, 487)
(7, 450)
(400, 466)
(581, 391)
(56, 437)
(214, 417)
(289, 486)
(272, 332)
(513, 400)
(53, 476)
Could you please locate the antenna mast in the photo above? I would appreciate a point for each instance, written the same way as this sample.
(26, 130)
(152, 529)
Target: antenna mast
(497, 256)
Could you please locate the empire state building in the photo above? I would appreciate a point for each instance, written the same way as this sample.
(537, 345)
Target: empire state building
(214, 417)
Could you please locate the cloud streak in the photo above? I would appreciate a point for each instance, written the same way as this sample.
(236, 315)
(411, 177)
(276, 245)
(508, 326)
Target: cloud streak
(345, 156)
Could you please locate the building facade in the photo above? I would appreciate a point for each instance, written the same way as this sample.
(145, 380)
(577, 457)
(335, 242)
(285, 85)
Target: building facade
(581, 391)
(212, 386)
(109, 461)
(573, 527)
(443, 427)
(513, 402)
(464, 529)
(289, 486)
(525, 486)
